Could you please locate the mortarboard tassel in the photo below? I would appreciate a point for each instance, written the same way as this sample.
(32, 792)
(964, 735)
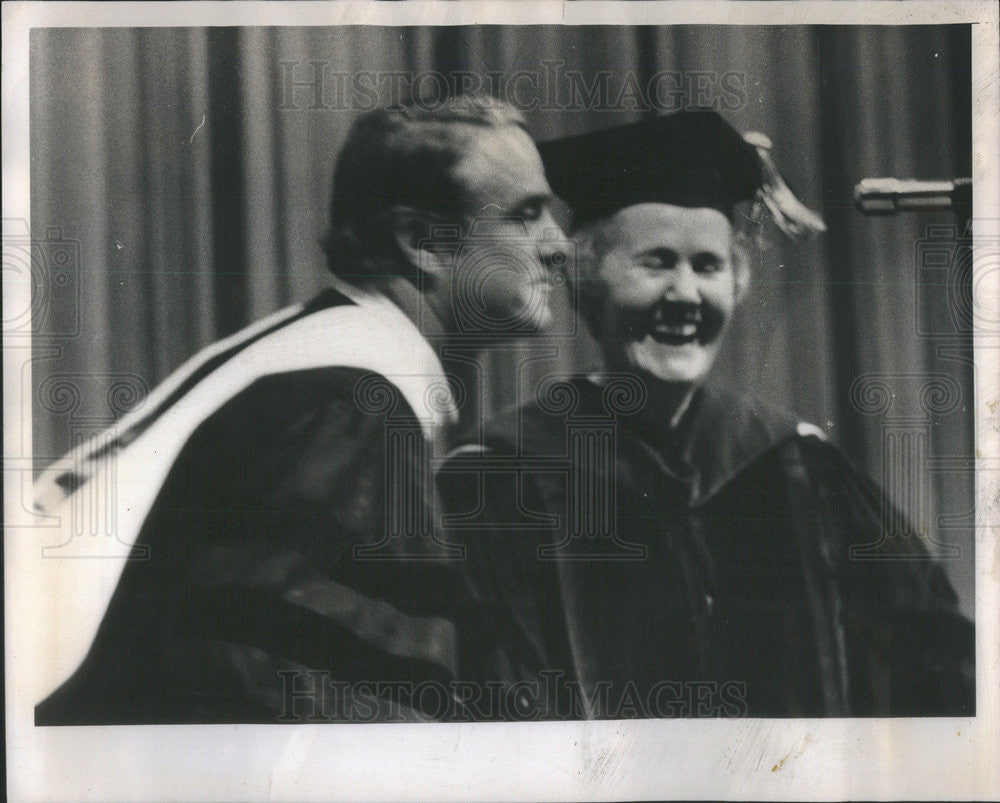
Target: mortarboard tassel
(787, 211)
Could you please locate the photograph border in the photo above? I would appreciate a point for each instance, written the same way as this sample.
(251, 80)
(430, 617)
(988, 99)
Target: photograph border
(832, 759)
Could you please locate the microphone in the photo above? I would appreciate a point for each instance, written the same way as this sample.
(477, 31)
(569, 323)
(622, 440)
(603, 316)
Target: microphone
(887, 196)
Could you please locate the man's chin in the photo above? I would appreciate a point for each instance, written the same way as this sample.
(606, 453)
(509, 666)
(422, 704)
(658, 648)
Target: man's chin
(542, 322)
(536, 318)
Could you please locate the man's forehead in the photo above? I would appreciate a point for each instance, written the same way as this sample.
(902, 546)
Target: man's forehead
(502, 158)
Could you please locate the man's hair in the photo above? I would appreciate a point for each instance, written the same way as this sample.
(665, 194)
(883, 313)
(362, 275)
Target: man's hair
(593, 239)
(403, 156)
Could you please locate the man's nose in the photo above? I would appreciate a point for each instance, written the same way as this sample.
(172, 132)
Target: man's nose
(681, 284)
(553, 245)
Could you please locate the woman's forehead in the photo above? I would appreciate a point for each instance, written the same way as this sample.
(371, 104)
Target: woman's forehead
(666, 225)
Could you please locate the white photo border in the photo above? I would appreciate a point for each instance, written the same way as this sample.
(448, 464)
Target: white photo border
(954, 758)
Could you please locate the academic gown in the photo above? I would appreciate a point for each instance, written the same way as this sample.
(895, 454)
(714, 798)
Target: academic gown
(267, 581)
(704, 570)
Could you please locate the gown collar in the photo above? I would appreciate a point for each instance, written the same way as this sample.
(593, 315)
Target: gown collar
(718, 436)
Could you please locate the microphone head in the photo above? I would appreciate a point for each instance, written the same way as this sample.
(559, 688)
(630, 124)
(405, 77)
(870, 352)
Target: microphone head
(887, 196)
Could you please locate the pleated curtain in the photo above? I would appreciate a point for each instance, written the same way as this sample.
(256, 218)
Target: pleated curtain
(190, 170)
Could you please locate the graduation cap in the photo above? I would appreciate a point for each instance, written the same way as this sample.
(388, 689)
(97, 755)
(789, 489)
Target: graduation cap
(689, 158)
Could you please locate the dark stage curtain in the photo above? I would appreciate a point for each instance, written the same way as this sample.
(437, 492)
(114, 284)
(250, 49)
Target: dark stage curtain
(191, 170)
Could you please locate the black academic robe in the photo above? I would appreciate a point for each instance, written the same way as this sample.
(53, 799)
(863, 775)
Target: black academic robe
(267, 583)
(703, 571)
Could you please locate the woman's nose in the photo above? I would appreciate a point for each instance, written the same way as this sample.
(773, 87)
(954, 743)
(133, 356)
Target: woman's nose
(681, 284)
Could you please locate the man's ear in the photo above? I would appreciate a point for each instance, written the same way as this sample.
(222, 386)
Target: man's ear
(413, 232)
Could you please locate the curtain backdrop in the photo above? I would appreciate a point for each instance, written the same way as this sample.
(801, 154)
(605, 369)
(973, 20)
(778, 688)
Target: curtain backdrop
(187, 172)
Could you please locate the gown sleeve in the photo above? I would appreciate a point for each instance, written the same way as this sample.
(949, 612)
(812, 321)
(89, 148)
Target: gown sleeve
(273, 591)
(909, 651)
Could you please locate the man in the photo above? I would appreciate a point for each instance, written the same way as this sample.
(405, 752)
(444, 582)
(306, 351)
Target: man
(274, 490)
(650, 547)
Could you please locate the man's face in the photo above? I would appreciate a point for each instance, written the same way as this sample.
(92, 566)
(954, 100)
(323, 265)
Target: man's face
(670, 290)
(503, 279)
